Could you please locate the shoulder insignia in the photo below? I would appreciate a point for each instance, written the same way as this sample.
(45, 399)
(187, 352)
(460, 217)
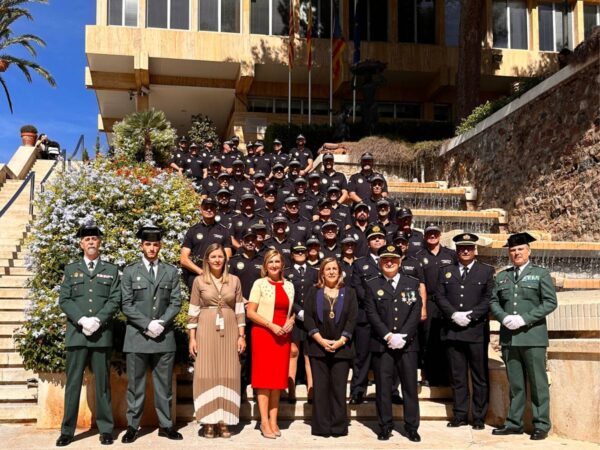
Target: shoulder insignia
(365, 267)
(448, 275)
(425, 261)
(380, 292)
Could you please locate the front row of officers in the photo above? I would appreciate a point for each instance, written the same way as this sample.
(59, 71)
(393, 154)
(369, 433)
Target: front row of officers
(390, 308)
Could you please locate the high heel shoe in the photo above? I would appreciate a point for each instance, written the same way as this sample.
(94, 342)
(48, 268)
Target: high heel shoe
(267, 435)
(223, 430)
(208, 431)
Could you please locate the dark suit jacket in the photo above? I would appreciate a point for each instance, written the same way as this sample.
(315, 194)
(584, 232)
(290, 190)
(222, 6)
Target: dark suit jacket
(362, 269)
(472, 293)
(343, 327)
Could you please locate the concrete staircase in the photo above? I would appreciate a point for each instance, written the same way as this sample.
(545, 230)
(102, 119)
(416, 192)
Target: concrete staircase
(18, 399)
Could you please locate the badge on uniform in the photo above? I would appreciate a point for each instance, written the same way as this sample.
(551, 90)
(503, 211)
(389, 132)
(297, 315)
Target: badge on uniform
(291, 275)
(240, 265)
(425, 261)
(199, 236)
(412, 297)
(448, 275)
(240, 223)
(77, 275)
(380, 292)
(210, 183)
(137, 278)
(360, 180)
(324, 181)
(356, 236)
(403, 297)
(365, 267)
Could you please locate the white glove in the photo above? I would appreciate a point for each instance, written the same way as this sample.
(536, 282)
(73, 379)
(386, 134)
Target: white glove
(95, 324)
(150, 334)
(300, 315)
(397, 341)
(89, 325)
(519, 321)
(155, 327)
(460, 318)
(513, 322)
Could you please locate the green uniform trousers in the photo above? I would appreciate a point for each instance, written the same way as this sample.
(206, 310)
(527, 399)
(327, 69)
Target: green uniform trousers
(99, 361)
(527, 364)
(162, 375)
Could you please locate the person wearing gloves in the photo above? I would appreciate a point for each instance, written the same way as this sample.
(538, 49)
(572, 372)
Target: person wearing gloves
(522, 298)
(463, 297)
(89, 295)
(393, 307)
(151, 301)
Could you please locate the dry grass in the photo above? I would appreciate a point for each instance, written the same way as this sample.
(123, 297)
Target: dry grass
(587, 49)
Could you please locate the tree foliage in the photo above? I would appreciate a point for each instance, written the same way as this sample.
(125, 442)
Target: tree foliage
(203, 129)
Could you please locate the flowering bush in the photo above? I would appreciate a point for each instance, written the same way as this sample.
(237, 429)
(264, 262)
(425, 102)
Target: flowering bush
(119, 199)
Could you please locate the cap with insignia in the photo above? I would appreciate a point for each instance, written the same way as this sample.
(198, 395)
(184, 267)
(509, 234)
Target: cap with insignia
(291, 199)
(329, 224)
(360, 205)
(314, 175)
(383, 202)
(313, 240)
(300, 137)
(214, 161)
(333, 188)
(279, 218)
(223, 175)
(248, 196)
(519, 239)
(193, 146)
(298, 247)
(183, 139)
(400, 236)
(238, 162)
(403, 213)
(328, 157)
(208, 201)
(248, 232)
(249, 144)
(259, 175)
(390, 251)
(209, 139)
(259, 226)
(295, 163)
(465, 239)
(223, 191)
(348, 239)
(229, 142)
(377, 177)
(366, 156)
(149, 232)
(278, 166)
(300, 180)
(89, 230)
(431, 227)
(375, 230)
(271, 189)
(324, 202)
(235, 139)
(276, 141)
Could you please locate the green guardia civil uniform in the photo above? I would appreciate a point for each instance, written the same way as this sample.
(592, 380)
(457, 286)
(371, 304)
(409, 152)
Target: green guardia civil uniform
(533, 297)
(144, 300)
(89, 294)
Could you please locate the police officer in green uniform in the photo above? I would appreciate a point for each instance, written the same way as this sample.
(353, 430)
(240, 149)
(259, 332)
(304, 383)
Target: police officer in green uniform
(522, 298)
(151, 301)
(89, 295)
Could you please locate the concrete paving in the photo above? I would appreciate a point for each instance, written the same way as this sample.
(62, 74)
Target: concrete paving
(434, 434)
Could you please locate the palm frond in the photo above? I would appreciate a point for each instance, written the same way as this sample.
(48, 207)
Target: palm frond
(8, 99)
(23, 42)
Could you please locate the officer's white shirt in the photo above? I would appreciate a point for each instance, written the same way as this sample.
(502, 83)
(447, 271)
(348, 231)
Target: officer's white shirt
(88, 261)
(298, 266)
(521, 268)
(394, 280)
(147, 265)
(375, 258)
(462, 268)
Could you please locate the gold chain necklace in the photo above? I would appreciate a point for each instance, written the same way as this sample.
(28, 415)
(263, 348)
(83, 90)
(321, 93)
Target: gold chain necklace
(332, 301)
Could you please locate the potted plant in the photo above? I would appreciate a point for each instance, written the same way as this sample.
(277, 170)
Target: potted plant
(28, 135)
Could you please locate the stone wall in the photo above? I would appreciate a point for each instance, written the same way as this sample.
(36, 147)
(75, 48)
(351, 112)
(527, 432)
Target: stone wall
(538, 158)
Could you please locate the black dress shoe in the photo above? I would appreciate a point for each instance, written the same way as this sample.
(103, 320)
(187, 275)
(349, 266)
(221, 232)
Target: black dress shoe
(413, 436)
(455, 423)
(424, 383)
(170, 433)
(106, 439)
(384, 434)
(505, 431)
(292, 400)
(129, 436)
(64, 440)
(478, 425)
(357, 399)
(538, 435)
(397, 400)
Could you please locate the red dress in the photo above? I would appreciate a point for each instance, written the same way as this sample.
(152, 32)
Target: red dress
(271, 353)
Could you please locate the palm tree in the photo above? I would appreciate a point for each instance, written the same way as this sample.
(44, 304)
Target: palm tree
(10, 12)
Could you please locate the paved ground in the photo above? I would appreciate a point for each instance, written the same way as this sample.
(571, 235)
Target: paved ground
(294, 435)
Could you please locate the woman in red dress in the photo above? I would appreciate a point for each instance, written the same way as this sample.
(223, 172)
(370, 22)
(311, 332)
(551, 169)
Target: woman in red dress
(270, 308)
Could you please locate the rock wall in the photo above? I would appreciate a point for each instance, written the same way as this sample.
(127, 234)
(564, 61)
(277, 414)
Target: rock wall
(541, 162)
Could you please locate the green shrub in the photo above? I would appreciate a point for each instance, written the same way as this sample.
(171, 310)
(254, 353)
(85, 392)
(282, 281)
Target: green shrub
(202, 129)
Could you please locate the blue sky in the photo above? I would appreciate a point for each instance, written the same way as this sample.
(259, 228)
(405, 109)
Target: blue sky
(63, 112)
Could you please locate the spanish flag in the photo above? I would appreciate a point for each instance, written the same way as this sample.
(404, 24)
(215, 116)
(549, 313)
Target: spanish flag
(338, 45)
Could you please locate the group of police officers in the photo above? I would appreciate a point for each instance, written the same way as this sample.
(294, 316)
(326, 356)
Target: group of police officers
(421, 305)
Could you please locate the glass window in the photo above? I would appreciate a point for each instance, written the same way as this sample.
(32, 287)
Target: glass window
(551, 26)
(591, 18)
(208, 19)
(260, 105)
(425, 21)
(321, 17)
(452, 17)
(123, 12)
(259, 16)
(385, 110)
(173, 14)
(408, 111)
(115, 12)
(227, 21)
(280, 10)
(416, 21)
(442, 112)
(269, 17)
(320, 108)
(373, 20)
(281, 106)
(509, 19)
(231, 11)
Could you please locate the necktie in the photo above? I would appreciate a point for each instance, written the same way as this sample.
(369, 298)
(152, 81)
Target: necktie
(465, 272)
(91, 266)
(301, 271)
(517, 270)
(152, 274)
(391, 281)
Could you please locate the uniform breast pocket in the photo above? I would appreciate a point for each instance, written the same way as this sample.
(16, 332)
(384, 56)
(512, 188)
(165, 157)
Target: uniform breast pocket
(503, 293)
(164, 290)
(77, 289)
(139, 290)
(103, 286)
(530, 290)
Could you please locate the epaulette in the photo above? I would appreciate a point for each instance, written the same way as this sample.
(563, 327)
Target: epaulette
(410, 276)
(373, 278)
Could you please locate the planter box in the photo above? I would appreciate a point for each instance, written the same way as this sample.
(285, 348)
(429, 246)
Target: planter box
(51, 396)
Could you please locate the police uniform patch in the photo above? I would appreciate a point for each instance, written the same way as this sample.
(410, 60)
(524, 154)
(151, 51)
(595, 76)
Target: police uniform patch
(137, 278)
(467, 236)
(210, 183)
(199, 236)
(324, 181)
(448, 274)
(425, 261)
(360, 181)
(380, 292)
(365, 267)
(240, 265)
(217, 218)
(356, 236)
(240, 223)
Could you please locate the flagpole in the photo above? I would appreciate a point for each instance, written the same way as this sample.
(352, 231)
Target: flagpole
(354, 79)
(331, 66)
(290, 95)
(290, 58)
(309, 95)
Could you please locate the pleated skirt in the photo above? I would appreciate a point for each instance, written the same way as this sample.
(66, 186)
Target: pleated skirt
(216, 386)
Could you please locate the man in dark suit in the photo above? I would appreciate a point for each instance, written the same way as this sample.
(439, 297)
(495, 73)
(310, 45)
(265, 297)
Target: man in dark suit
(463, 296)
(151, 301)
(89, 295)
(393, 306)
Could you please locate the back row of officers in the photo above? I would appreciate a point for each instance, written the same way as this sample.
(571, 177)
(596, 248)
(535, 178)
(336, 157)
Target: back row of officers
(419, 304)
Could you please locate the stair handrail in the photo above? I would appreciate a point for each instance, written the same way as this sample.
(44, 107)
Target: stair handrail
(29, 179)
(64, 156)
(80, 144)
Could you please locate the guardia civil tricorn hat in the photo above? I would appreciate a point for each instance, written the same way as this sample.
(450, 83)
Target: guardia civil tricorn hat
(150, 233)
(519, 239)
(88, 230)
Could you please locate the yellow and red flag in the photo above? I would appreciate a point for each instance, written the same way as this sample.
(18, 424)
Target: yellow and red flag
(292, 29)
(337, 51)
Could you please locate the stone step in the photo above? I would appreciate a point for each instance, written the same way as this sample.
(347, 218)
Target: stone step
(15, 375)
(13, 292)
(460, 192)
(8, 329)
(17, 271)
(429, 410)
(12, 262)
(11, 316)
(17, 393)
(11, 254)
(578, 283)
(7, 344)
(17, 281)
(10, 360)
(14, 304)
(18, 412)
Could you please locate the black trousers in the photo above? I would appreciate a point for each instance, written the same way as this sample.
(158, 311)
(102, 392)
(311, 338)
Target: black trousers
(468, 357)
(330, 377)
(362, 361)
(433, 360)
(406, 364)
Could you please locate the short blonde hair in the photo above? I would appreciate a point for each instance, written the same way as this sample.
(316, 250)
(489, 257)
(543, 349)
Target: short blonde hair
(206, 267)
(268, 256)
(321, 279)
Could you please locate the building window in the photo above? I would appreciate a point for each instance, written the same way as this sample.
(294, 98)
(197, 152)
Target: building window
(510, 24)
(220, 15)
(416, 21)
(269, 17)
(123, 12)
(173, 14)
(373, 20)
(591, 18)
(280, 106)
(452, 22)
(321, 18)
(551, 26)
(398, 110)
(442, 112)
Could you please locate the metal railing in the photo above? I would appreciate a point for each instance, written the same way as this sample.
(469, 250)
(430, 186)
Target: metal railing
(30, 179)
(80, 145)
(64, 157)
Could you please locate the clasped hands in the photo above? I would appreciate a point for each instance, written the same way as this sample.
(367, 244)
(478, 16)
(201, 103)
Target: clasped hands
(89, 325)
(461, 318)
(330, 345)
(287, 327)
(397, 341)
(155, 328)
(513, 322)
